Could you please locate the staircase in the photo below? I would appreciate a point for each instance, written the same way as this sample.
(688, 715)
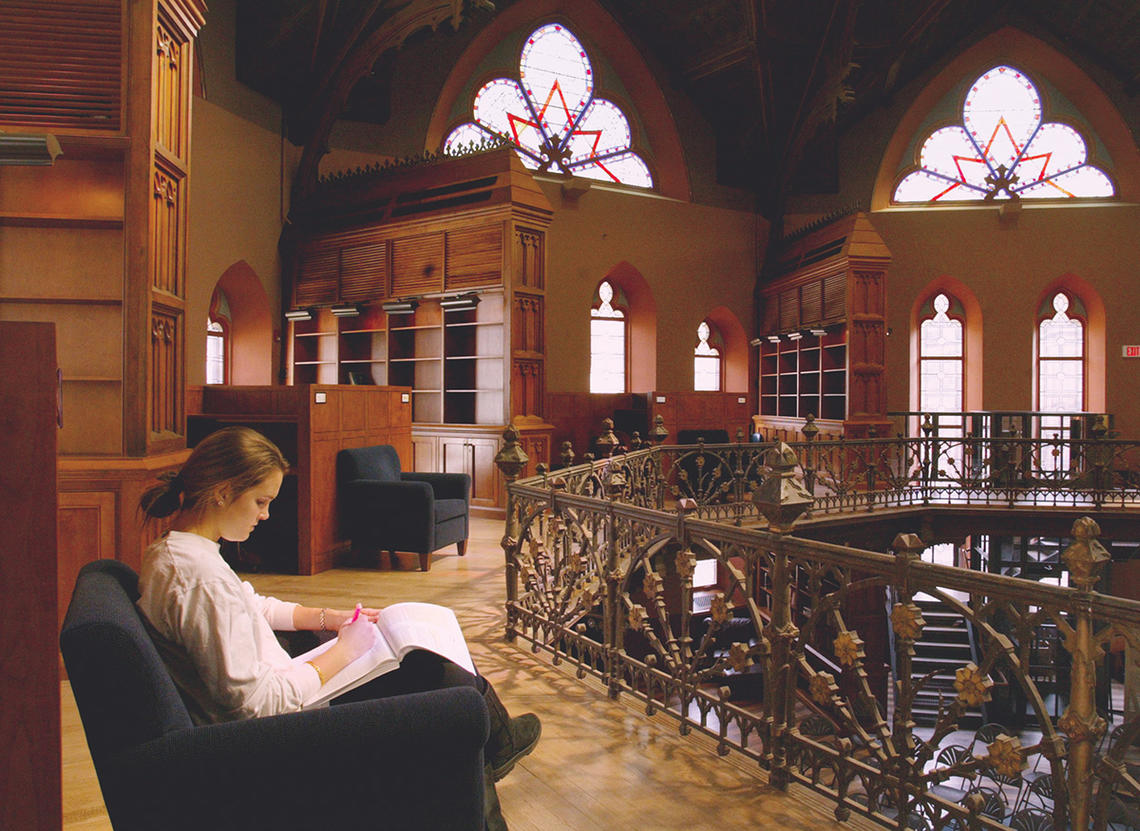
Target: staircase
(944, 648)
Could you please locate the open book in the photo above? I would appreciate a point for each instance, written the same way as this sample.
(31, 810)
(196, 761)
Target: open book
(402, 627)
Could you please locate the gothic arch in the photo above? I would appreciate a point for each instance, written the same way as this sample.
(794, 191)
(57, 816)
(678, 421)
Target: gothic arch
(1015, 47)
(587, 18)
(642, 345)
(1095, 336)
(971, 339)
(735, 348)
(251, 321)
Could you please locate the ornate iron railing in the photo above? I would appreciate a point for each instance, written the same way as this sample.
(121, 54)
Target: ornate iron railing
(786, 667)
(864, 475)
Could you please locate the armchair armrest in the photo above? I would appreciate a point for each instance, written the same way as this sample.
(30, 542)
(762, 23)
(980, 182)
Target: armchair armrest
(445, 485)
(375, 495)
(411, 762)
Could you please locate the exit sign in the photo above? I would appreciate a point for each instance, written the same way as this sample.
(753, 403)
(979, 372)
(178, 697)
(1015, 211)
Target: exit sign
(1132, 351)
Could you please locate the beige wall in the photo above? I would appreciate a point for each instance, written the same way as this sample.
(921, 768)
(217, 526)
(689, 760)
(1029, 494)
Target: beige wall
(1008, 267)
(693, 257)
(240, 178)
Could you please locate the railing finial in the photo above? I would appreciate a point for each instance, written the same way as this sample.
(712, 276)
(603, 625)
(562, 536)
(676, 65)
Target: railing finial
(1085, 556)
(511, 458)
(780, 498)
(810, 429)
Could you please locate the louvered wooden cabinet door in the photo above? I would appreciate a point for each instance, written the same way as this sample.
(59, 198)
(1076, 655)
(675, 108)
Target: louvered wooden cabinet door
(417, 265)
(364, 272)
(318, 273)
(474, 257)
(61, 64)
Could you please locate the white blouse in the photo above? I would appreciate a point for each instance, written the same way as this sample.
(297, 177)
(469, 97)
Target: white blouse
(215, 633)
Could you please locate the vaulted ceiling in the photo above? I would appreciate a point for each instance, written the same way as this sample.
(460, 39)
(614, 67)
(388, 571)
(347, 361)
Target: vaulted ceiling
(776, 79)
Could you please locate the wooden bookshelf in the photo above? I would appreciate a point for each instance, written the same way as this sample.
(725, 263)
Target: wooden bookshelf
(821, 328)
(807, 375)
(472, 225)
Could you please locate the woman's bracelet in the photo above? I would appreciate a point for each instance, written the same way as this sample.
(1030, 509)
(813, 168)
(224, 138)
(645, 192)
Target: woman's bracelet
(320, 674)
(323, 627)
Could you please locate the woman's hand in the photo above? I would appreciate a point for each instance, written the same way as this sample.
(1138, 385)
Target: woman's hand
(336, 618)
(357, 636)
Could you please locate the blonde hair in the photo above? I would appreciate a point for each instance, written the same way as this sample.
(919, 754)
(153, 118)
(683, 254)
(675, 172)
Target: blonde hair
(231, 461)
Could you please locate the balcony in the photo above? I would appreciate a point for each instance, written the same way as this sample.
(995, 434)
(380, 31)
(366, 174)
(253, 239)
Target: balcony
(801, 656)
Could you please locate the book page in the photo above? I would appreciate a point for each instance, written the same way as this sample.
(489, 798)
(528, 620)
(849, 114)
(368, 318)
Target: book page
(427, 626)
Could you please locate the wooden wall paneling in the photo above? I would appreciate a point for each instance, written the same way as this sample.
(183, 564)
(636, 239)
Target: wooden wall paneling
(577, 417)
(531, 267)
(30, 785)
(173, 70)
(113, 485)
(87, 530)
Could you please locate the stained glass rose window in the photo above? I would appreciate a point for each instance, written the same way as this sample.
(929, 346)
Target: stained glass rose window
(1003, 149)
(551, 116)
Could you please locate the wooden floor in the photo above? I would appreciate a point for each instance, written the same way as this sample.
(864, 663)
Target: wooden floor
(600, 765)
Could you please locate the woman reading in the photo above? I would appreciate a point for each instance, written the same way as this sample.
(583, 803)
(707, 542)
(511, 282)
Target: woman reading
(216, 634)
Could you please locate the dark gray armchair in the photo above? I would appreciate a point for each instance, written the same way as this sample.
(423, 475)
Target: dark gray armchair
(413, 761)
(384, 508)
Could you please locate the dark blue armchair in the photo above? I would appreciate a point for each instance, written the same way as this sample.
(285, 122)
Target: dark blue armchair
(384, 508)
(413, 761)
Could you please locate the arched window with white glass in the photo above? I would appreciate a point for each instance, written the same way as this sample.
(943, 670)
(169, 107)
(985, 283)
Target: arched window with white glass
(707, 360)
(1060, 371)
(218, 339)
(941, 358)
(552, 115)
(608, 340)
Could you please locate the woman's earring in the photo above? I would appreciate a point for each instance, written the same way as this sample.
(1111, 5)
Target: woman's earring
(221, 502)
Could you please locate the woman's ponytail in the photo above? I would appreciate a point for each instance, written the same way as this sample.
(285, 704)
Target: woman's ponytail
(165, 498)
(226, 462)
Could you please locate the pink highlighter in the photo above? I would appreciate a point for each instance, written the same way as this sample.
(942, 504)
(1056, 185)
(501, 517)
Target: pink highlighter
(356, 615)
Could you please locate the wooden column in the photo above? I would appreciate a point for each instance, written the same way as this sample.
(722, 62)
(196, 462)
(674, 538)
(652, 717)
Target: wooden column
(160, 74)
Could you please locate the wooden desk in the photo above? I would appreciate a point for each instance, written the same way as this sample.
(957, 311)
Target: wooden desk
(311, 423)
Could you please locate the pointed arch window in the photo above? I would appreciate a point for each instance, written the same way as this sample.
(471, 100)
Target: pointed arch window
(941, 359)
(1003, 149)
(215, 352)
(1061, 356)
(218, 340)
(552, 116)
(607, 342)
(1060, 371)
(706, 360)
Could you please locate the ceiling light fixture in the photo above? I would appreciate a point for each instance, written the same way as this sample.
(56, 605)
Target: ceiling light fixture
(299, 314)
(345, 310)
(400, 306)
